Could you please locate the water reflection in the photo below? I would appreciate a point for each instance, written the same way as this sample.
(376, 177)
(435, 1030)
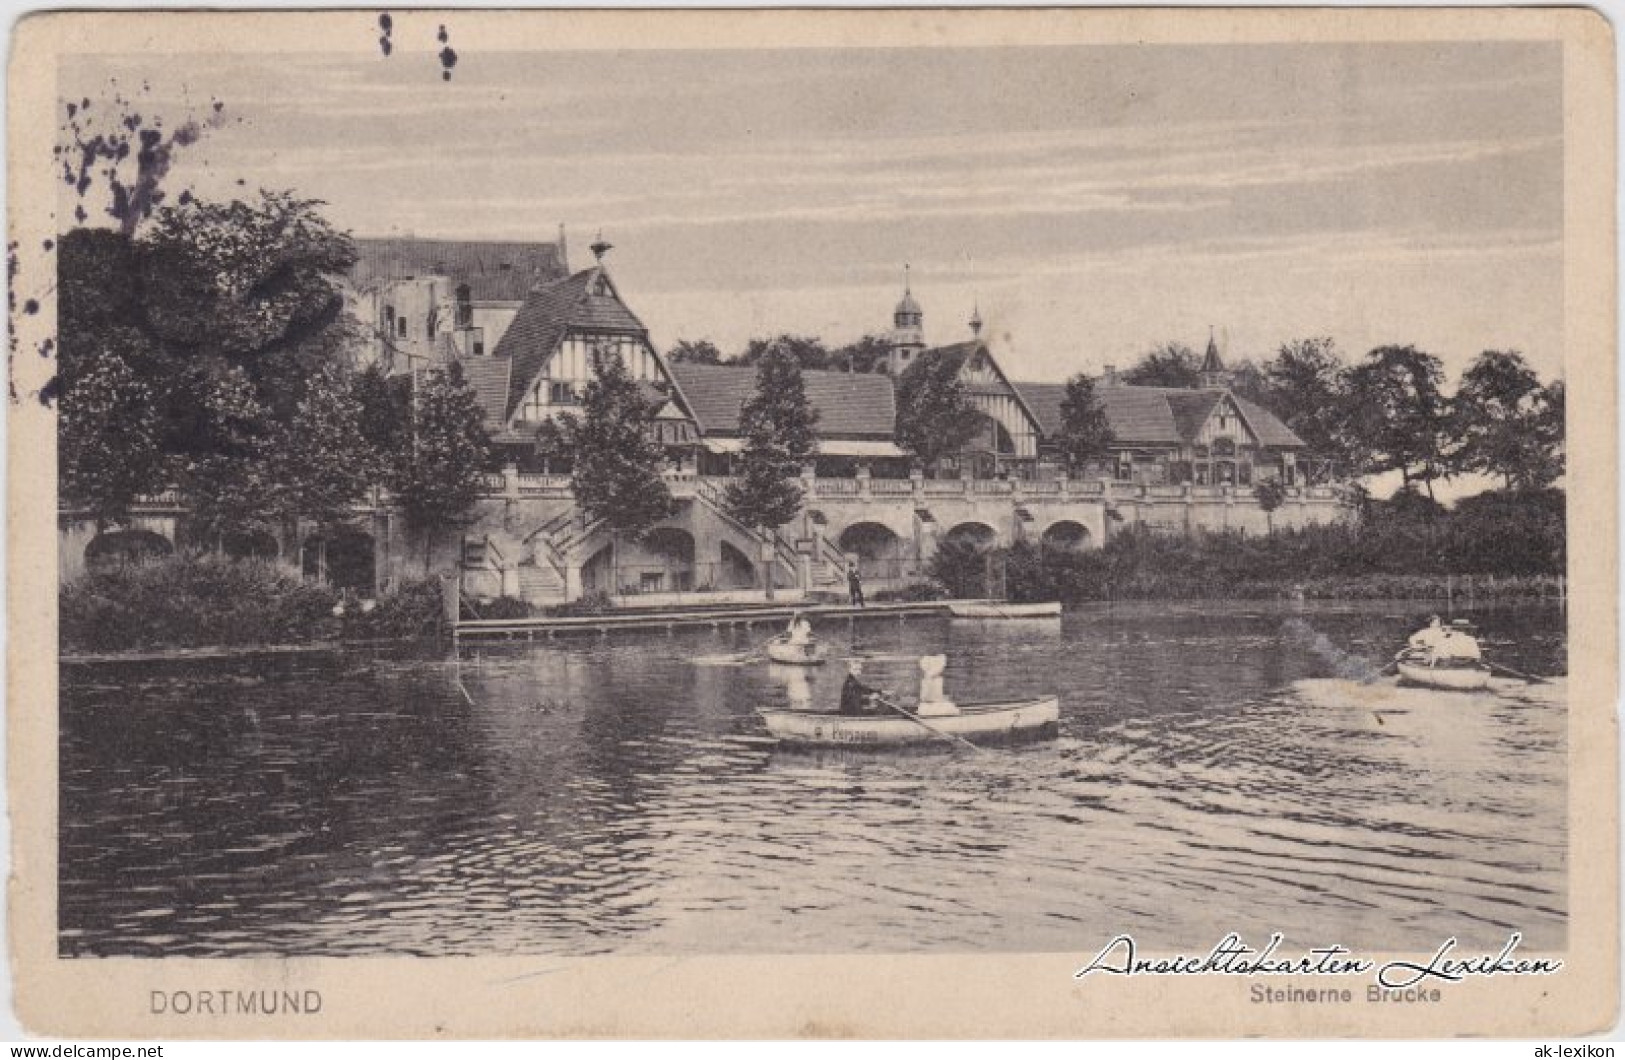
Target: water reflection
(1214, 772)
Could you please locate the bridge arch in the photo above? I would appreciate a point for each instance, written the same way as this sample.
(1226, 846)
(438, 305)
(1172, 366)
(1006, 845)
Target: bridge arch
(978, 534)
(117, 548)
(1066, 535)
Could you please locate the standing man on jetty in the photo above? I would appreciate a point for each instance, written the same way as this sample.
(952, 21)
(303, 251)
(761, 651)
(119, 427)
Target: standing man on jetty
(854, 583)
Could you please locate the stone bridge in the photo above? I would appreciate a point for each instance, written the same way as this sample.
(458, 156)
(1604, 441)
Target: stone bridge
(526, 537)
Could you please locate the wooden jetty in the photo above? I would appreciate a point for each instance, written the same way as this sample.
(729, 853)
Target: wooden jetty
(628, 619)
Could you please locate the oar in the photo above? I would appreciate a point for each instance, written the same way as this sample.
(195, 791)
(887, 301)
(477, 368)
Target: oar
(916, 719)
(1531, 678)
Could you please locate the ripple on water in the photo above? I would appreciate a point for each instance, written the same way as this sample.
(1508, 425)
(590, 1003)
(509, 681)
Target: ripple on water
(1211, 775)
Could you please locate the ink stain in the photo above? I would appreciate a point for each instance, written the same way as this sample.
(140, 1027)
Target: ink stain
(47, 347)
(50, 392)
(31, 306)
(50, 244)
(386, 24)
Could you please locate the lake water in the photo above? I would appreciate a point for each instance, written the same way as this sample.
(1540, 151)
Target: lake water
(1216, 770)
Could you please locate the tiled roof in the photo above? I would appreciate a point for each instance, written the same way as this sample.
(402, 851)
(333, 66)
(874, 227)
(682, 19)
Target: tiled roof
(1154, 415)
(489, 378)
(494, 271)
(1191, 409)
(1270, 430)
(547, 314)
(848, 404)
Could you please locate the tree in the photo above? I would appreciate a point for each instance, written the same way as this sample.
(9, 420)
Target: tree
(872, 353)
(1086, 433)
(807, 350)
(1172, 364)
(777, 422)
(1308, 387)
(1503, 425)
(701, 351)
(615, 462)
(322, 456)
(254, 285)
(1271, 494)
(935, 416)
(1398, 408)
(439, 474)
(109, 429)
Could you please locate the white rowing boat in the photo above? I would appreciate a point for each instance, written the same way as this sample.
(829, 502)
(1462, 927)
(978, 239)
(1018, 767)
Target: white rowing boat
(993, 609)
(1456, 675)
(780, 650)
(975, 722)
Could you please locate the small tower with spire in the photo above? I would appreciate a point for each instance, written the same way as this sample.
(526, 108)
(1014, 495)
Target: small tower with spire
(976, 322)
(1214, 376)
(908, 331)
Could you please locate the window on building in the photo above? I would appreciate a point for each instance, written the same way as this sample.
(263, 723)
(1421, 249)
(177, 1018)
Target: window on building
(1125, 468)
(389, 317)
(465, 307)
(400, 326)
(561, 393)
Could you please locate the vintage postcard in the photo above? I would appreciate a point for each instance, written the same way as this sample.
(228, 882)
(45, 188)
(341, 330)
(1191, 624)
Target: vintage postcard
(906, 523)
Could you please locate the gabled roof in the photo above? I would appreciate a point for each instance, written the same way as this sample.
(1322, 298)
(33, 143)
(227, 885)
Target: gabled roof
(488, 376)
(1191, 408)
(961, 352)
(493, 271)
(848, 404)
(1156, 415)
(547, 314)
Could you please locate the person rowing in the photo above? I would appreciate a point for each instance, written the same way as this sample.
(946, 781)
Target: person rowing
(857, 697)
(1429, 637)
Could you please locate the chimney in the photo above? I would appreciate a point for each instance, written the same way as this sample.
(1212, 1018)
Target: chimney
(1111, 375)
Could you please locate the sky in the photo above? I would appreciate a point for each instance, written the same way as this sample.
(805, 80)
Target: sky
(1091, 201)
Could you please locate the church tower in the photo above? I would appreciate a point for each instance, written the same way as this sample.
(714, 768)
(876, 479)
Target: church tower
(908, 334)
(1214, 376)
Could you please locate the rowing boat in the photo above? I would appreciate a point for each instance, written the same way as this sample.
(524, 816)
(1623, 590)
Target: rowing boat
(1456, 675)
(976, 722)
(993, 609)
(781, 650)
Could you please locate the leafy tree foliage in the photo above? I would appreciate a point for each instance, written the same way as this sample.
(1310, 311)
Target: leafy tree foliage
(700, 351)
(109, 428)
(871, 353)
(1307, 386)
(777, 422)
(218, 326)
(1398, 407)
(808, 351)
(616, 464)
(1270, 494)
(935, 417)
(1504, 422)
(1086, 433)
(438, 475)
(1171, 364)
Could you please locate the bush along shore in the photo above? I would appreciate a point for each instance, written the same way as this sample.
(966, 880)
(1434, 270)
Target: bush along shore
(199, 601)
(1496, 546)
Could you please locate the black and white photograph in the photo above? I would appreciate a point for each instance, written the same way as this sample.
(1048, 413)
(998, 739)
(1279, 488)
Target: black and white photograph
(817, 487)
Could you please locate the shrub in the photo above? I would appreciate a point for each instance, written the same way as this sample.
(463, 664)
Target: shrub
(192, 601)
(595, 603)
(411, 609)
(501, 607)
(915, 592)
